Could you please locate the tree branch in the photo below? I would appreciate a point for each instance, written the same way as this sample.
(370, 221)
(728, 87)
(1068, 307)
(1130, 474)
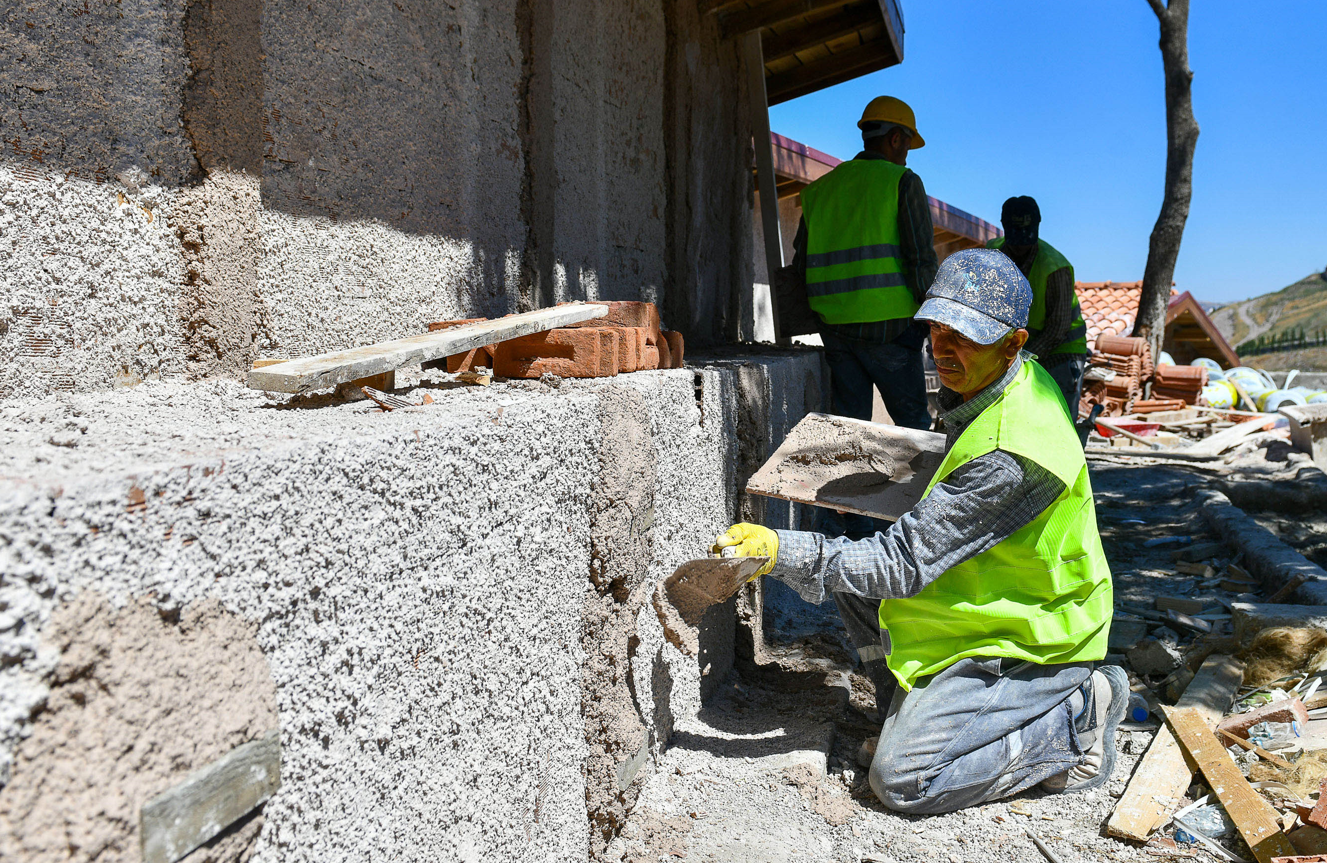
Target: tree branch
(1158, 7)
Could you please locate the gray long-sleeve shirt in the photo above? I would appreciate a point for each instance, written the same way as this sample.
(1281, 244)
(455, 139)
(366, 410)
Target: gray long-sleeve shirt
(976, 507)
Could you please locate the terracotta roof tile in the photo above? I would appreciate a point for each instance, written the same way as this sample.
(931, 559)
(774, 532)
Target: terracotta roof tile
(1109, 307)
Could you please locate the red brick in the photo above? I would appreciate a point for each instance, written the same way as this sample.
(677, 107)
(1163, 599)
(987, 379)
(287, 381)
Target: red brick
(640, 349)
(628, 349)
(675, 348)
(626, 314)
(1290, 710)
(1318, 817)
(665, 357)
(466, 362)
(582, 352)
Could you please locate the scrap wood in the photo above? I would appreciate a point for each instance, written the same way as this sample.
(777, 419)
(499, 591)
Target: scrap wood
(1253, 747)
(330, 369)
(1179, 603)
(1288, 588)
(1254, 817)
(389, 402)
(1231, 437)
(1162, 776)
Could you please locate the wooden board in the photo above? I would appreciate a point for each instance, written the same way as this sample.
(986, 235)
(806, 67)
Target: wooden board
(845, 464)
(177, 821)
(328, 370)
(1224, 440)
(1162, 775)
(1253, 816)
(1180, 604)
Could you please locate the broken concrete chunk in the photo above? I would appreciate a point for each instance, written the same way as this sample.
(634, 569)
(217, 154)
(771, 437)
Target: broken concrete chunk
(1153, 657)
(1250, 618)
(1166, 634)
(1124, 634)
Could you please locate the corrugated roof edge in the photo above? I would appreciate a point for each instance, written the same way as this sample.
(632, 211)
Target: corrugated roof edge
(801, 149)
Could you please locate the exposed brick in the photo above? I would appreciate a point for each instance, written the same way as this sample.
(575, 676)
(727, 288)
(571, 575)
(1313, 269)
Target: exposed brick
(581, 352)
(628, 349)
(466, 362)
(665, 356)
(626, 314)
(640, 349)
(1318, 817)
(675, 348)
(1290, 710)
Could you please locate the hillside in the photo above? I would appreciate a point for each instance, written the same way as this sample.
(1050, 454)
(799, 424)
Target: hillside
(1301, 306)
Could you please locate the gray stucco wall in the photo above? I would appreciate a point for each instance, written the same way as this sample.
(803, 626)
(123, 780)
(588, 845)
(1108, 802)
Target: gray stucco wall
(419, 583)
(185, 186)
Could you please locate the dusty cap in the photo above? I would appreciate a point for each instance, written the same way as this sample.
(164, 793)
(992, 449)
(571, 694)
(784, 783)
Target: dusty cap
(980, 293)
(1020, 217)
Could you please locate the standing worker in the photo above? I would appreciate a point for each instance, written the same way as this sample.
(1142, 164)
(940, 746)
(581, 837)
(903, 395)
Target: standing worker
(1057, 334)
(993, 593)
(865, 251)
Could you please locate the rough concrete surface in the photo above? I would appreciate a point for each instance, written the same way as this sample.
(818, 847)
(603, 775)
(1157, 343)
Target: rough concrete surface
(421, 584)
(185, 185)
(137, 700)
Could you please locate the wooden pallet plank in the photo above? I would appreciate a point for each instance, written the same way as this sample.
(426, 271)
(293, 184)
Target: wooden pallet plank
(1162, 775)
(330, 369)
(1253, 816)
(180, 819)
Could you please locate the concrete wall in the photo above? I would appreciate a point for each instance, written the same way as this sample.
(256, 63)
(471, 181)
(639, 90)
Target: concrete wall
(188, 184)
(451, 601)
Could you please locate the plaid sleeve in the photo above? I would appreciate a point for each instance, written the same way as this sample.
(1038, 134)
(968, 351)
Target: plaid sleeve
(916, 235)
(978, 506)
(1059, 314)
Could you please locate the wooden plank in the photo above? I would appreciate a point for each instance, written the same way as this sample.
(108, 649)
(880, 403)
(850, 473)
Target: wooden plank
(1253, 816)
(1253, 747)
(177, 821)
(769, 14)
(1180, 604)
(799, 39)
(818, 74)
(1224, 440)
(765, 181)
(851, 465)
(330, 369)
(1162, 776)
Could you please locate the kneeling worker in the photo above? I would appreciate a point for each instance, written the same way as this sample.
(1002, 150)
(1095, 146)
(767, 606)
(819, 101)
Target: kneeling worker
(995, 595)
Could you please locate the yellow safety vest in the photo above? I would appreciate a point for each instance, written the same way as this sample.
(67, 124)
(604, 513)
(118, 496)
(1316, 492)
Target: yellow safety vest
(1044, 594)
(1047, 261)
(853, 271)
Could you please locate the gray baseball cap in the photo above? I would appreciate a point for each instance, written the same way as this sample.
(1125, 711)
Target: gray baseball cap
(980, 293)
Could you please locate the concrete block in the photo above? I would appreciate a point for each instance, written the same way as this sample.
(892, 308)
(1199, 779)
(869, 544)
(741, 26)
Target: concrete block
(1250, 618)
(1308, 430)
(1151, 656)
(1290, 710)
(580, 352)
(675, 348)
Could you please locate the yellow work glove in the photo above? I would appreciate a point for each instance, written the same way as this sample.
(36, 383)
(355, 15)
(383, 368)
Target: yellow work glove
(749, 540)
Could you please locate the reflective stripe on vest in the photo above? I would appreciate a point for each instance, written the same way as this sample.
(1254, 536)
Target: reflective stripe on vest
(853, 271)
(1042, 595)
(1047, 261)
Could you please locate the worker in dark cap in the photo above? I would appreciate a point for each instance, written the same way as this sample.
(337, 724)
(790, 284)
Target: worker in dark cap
(993, 593)
(1057, 334)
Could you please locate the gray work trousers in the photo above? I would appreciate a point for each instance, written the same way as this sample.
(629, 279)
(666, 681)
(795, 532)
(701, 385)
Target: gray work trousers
(977, 731)
(1067, 370)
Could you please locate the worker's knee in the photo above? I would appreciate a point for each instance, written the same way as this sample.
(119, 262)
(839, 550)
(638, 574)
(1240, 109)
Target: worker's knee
(905, 787)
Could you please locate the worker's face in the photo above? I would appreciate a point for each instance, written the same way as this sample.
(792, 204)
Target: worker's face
(966, 367)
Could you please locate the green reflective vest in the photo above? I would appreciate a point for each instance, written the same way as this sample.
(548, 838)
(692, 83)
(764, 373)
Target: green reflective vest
(853, 272)
(1044, 594)
(1047, 261)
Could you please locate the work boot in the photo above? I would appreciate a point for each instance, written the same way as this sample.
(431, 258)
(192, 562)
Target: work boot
(1098, 706)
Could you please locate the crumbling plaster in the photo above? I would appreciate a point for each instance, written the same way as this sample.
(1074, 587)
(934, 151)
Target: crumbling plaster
(421, 583)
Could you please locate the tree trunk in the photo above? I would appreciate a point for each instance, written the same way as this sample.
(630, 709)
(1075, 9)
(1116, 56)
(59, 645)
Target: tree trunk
(1181, 138)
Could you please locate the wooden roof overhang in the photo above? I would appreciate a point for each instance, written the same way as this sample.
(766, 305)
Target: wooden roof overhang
(812, 44)
(1192, 333)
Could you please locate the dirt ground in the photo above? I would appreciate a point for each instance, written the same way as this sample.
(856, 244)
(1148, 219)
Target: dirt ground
(768, 771)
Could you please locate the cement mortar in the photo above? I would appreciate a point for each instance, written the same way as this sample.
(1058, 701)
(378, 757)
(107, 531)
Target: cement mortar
(136, 702)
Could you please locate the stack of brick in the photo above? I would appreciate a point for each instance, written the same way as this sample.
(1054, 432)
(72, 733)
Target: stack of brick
(1179, 382)
(628, 339)
(1131, 360)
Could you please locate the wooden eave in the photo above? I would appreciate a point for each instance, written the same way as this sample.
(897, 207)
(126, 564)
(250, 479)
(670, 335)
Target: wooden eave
(1187, 322)
(812, 44)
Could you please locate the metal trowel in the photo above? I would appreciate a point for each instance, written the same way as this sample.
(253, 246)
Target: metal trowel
(682, 599)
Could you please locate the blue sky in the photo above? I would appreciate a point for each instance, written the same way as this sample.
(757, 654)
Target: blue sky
(1065, 102)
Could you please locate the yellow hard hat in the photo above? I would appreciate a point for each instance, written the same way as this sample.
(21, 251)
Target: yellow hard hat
(887, 109)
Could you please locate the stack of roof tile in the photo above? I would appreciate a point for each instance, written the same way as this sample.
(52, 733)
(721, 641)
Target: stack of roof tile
(1179, 382)
(1131, 360)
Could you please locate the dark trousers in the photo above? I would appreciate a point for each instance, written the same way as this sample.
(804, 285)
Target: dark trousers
(1067, 371)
